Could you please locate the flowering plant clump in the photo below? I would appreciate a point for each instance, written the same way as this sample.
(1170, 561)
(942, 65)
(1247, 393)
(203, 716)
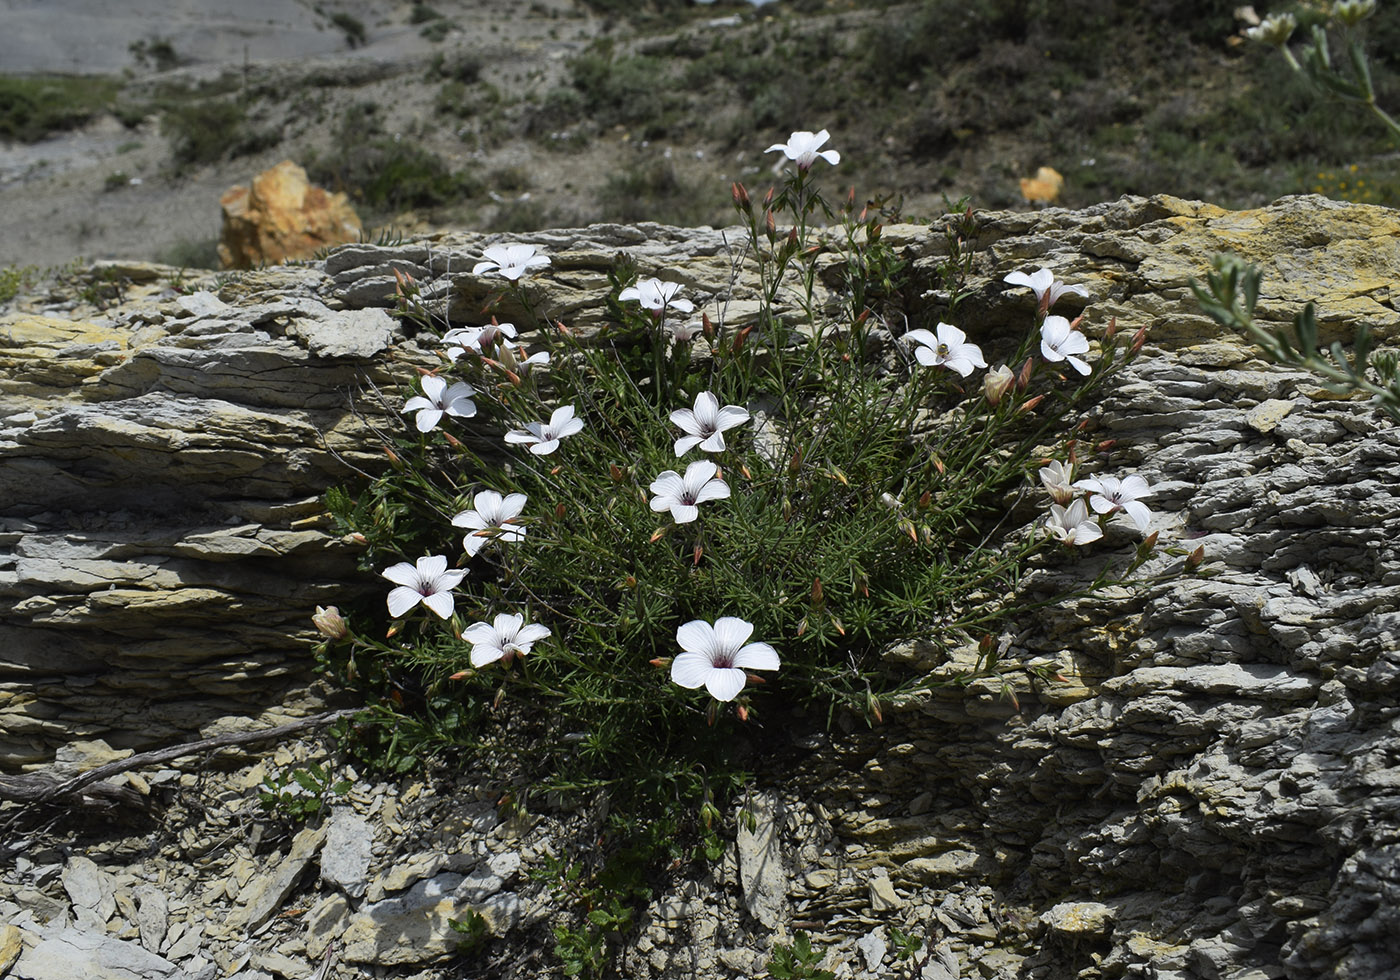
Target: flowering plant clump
(617, 620)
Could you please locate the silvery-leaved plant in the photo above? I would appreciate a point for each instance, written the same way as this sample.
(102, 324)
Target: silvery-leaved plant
(1059, 341)
(805, 148)
(705, 424)
(438, 400)
(682, 495)
(543, 437)
(948, 348)
(1072, 525)
(504, 638)
(492, 518)
(1109, 494)
(510, 261)
(428, 581)
(717, 656)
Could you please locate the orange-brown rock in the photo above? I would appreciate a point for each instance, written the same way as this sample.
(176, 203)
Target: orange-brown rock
(282, 217)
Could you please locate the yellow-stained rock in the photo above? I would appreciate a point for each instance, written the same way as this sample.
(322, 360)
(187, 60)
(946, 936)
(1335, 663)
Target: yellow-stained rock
(280, 217)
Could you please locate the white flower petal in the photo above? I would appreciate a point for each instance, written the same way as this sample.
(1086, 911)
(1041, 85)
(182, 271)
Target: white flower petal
(731, 633)
(440, 603)
(690, 669)
(1139, 512)
(684, 513)
(402, 574)
(402, 599)
(428, 419)
(725, 683)
(757, 656)
(685, 444)
(713, 490)
(485, 653)
(697, 636)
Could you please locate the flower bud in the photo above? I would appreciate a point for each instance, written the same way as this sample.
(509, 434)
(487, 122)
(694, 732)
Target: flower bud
(1196, 557)
(996, 383)
(817, 594)
(1023, 376)
(1029, 406)
(1275, 30)
(615, 472)
(707, 327)
(742, 712)
(394, 460)
(1353, 12)
(770, 224)
(925, 499)
(1138, 339)
(1112, 328)
(741, 197)
(329, 623)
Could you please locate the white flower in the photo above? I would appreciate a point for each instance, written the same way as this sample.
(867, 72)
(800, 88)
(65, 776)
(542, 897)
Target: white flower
(1072, 524)
(717, 656)
(1060, 342)
(805, 147)
(1109, 495)
(428, 582)
(543, 437)
(949, 349)
(438, 400)
(491, 514)
(509, 356)
(1046, 287)
(1058, 478)
(705, 424)
(680, 495)
(657, 295)
(478, 340)
(505, 637)
(684, 333)
(1276, 30)
(511, 261)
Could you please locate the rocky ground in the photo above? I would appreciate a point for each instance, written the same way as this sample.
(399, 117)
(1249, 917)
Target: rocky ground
(563, 112)
(1202, 788)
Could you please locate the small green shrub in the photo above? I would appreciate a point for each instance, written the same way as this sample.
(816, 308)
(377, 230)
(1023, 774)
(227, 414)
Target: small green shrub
(352, 27)
(210, 130)
(299, 794)
(33, 106)
(157, 53)
(13, 278)
(421, 13)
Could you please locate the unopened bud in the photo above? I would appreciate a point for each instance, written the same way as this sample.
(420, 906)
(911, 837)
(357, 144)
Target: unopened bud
(742, 712)
(615, 472)
(329, 623)
(697, 553)
(707, 327)
(875, 230)
(795, 464)
(1106, 445)
(1023, 377)
(817, 595)
(740, 337)
(872, 704)
(925, 499)
(997, 383)
(768, 200)
(559, 512)
(452, 440)
(1353, 12)
(741, 197)
(1029, 406)
(1275, 30)
(743, 468)
(1139, 339)
(1112, 329)
(394, 460)
(770, 224)
(1196, 557)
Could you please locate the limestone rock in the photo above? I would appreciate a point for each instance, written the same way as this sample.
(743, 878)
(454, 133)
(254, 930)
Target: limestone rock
(763, 873)
(281, 217)
(346, 854)
(63, 954)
